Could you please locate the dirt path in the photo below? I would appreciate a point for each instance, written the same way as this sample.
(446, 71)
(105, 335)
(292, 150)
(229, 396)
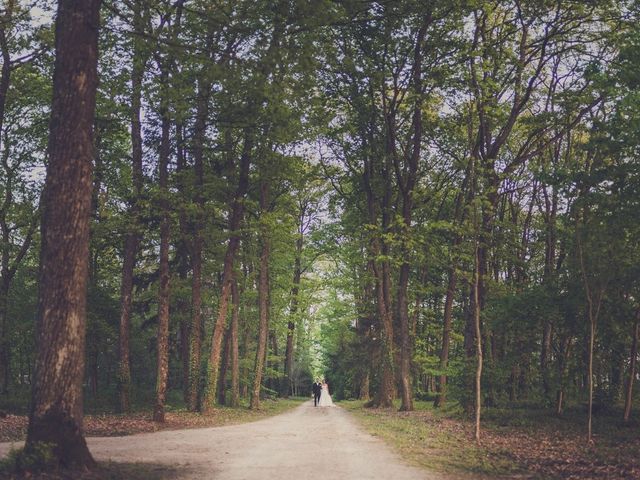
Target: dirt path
(305, 443)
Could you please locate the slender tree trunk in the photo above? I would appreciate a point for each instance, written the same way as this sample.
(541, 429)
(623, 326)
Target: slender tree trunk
(164, 287)
(182, 260)
(476, 317)
(5, 81)
(132, 238)
(551, 205)
(233, 333)
(441, 383)
(263, 297)
(563, 359)
(56, 407)
(592, 331)
(295, 290)
(224, 365)
(237, 212)
(5, 357)
(628, 401)
(195, 333)
(196, 327)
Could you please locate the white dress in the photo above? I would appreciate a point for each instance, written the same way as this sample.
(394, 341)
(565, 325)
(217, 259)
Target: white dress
(325, 398)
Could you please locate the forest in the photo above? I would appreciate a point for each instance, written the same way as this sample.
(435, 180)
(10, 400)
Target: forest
(215, 203)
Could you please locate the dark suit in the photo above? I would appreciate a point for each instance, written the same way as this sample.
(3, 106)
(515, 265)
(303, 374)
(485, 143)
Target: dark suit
(317, 390)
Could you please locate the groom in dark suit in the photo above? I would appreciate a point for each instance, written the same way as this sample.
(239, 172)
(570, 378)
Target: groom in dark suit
(317, 389)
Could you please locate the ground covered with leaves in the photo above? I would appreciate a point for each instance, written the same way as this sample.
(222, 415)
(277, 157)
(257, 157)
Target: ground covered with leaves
(516, 443)
(14, 427)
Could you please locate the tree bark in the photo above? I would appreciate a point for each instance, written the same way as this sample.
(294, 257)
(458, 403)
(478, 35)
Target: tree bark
(263, 296)
(551, 206)
(233, 332)
(295, 290)
(237, 212)
(628, 401)
(164, 287)
(56, 408)
(478, 335)
(441, 382)
(132, 238)
(563, 360)
(224, 365)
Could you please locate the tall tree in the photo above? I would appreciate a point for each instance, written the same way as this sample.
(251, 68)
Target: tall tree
(56, 407)
(132, 238)
(263, 293)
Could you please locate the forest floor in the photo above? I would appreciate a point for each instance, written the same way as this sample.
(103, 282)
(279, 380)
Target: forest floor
(515, 443)
(303, 443)
(14, 427)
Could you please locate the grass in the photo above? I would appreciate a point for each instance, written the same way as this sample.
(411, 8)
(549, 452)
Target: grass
(430, 439)
(515, 442)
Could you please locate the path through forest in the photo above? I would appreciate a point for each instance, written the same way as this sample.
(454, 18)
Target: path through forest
(304, 443)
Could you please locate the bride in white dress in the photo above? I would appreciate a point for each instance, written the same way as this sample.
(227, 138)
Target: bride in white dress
(325, 398)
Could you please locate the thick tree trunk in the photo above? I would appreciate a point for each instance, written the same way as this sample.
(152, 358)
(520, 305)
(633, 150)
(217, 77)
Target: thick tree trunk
(132, 238)
(233, 333)
(628, 401)
(237, 212)
(164, 287)
(385, 393)
(56, 408)
(263, 298)
(386, 386)
(407, 179)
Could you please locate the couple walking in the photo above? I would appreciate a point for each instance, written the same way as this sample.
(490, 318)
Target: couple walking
(321, 397)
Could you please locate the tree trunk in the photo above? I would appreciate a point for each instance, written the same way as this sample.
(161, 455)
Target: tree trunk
(628, 401)
(195, 333)
(182, 261)
(295, 290)
(563, 360)
(56, 408)
(551, 206)
(5, 357)
(263, 297)
(224, 366)
(478, 335)
(132, 238)
(196, 328)
(5, 81)
(441, 383)
(164, 287)
(237, 212)
(233, 333)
